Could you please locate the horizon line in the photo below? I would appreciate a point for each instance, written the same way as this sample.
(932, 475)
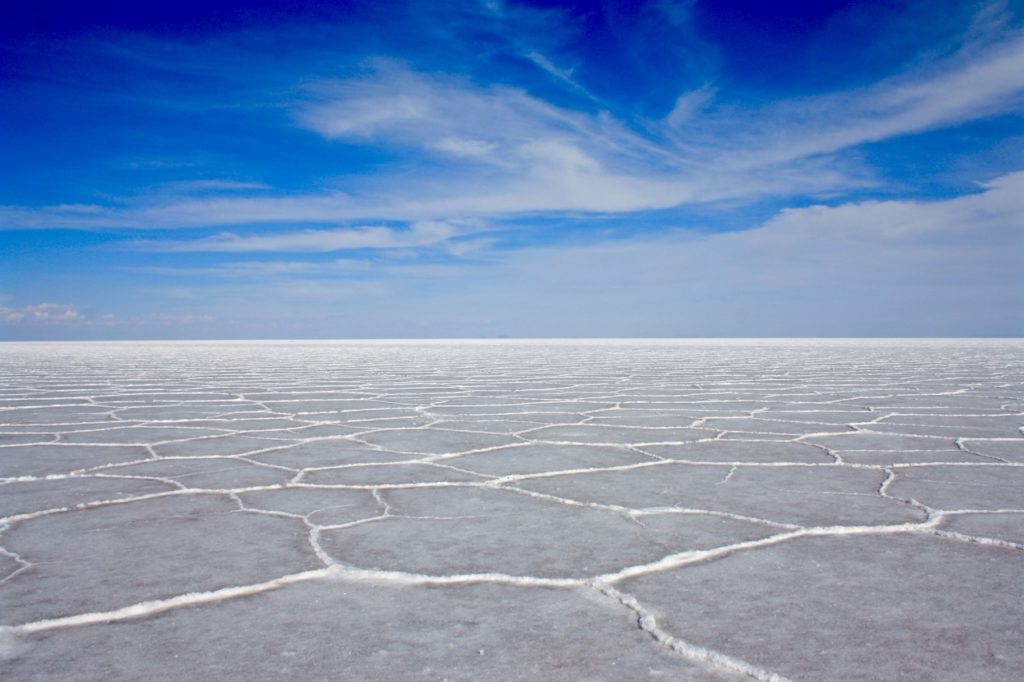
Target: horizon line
(500, 339)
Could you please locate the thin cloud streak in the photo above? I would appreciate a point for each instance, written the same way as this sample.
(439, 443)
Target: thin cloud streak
(423, 233)
(260, 269)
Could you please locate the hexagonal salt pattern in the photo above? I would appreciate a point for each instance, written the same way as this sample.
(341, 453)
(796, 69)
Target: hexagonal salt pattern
(844, 510)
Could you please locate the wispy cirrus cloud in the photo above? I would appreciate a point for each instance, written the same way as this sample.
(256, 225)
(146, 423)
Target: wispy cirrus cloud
(968, 86)
(689, 105)
(496, 150)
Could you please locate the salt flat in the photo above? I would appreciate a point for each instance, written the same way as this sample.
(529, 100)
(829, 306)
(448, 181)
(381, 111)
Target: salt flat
(615, 510)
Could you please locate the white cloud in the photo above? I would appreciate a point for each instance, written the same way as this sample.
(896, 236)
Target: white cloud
(11, 315)
(262, 269)
(41, 312)
(359, 117)
(563, 76)
(423, 233)
(470, 247)
(417, 109)
(1000, 208)
(460, 146)
(215, 185)
(689, 104)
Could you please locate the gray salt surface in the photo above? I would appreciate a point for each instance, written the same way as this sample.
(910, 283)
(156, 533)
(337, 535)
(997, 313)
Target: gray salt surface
(684, 510)
(854, 608)
(42, 460)
(1001, 526)
(331, 630)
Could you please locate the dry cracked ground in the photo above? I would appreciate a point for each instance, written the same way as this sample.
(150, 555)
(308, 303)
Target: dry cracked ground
(512, 510)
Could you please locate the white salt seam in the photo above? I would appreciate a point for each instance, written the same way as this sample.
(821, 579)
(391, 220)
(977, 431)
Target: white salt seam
(154, 606)
(698, 654)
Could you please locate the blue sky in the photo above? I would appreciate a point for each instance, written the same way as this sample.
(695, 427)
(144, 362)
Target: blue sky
(528, 169)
